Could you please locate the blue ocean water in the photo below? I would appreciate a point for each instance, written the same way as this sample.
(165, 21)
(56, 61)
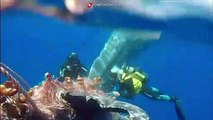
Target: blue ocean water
(180, 63)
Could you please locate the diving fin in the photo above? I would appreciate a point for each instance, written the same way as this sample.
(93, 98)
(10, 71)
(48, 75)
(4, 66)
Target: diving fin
(179, 110)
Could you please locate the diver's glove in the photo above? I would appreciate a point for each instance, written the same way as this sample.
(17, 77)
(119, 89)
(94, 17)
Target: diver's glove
(117, 70)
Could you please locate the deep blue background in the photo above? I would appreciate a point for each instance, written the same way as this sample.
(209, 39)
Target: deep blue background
(180, 63)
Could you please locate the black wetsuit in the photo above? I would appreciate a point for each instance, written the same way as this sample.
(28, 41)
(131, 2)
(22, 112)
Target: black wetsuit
(127, 89)
(73, 68)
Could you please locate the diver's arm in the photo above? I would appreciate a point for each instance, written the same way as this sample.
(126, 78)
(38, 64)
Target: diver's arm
(126, 94)
(83, 71)
(126, 89)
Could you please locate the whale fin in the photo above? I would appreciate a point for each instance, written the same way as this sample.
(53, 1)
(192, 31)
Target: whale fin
(118, 47)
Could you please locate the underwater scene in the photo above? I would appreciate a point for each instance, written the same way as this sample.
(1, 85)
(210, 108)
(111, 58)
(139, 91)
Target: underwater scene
(106, 60)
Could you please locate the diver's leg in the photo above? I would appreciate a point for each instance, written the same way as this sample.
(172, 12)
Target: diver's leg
(155, 93)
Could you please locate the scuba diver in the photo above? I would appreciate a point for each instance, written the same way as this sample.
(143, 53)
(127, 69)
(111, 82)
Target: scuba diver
(72, 68)
(133, 81)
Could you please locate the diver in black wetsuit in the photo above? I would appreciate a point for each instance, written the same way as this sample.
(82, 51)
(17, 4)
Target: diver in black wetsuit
(133, 82)
(72, 68)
